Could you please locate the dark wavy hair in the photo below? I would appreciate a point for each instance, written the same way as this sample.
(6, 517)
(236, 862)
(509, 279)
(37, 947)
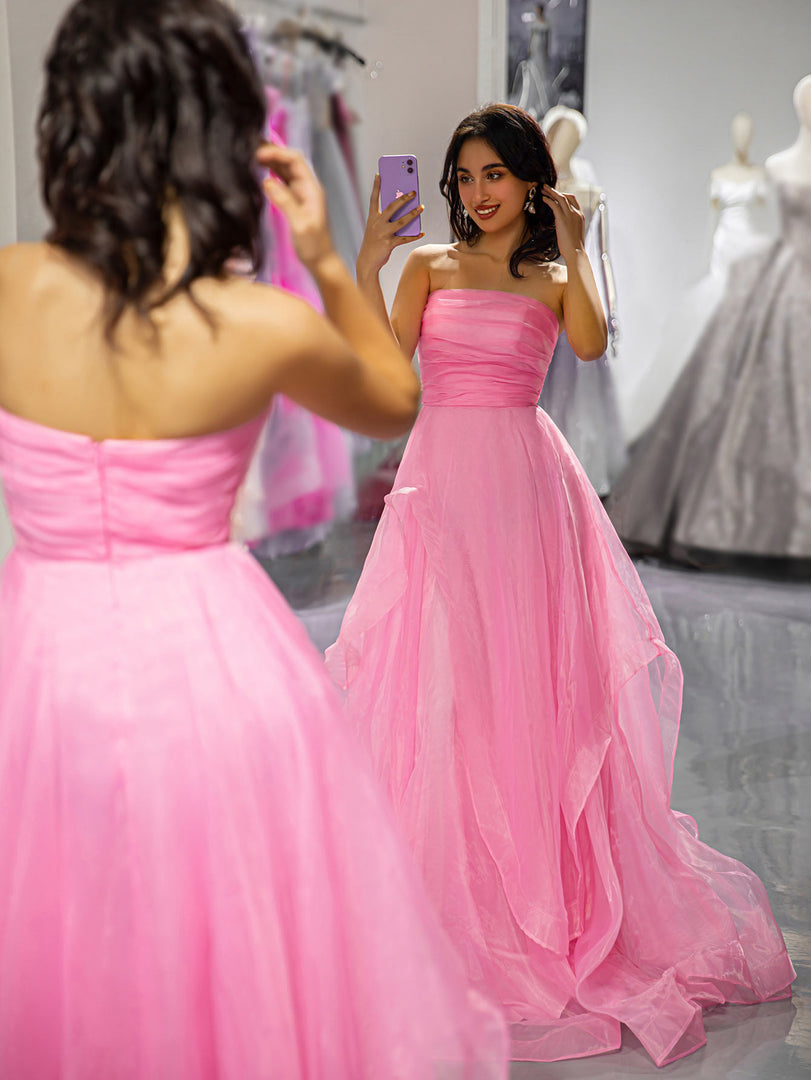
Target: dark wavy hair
(522, 146)
(149, 101)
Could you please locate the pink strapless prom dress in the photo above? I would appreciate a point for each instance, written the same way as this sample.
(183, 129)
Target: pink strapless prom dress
(508, 675)
(198, 877)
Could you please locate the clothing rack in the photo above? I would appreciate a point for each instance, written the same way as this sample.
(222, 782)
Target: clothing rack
(331, 45)
(293, 8)
(295, 28)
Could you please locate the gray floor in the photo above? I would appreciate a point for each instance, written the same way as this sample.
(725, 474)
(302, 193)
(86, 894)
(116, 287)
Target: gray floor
(743, 770)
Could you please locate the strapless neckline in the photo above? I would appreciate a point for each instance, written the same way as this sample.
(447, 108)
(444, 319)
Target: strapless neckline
(501, 292)
(169, 440)
(487, 348)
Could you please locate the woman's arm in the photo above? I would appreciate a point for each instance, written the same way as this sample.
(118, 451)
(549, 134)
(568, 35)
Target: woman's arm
(409, 302)
(379, 240)
(352, 372)
(583, 316)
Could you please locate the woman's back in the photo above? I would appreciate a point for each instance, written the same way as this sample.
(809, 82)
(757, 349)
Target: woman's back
(190, 860)
(186, 370)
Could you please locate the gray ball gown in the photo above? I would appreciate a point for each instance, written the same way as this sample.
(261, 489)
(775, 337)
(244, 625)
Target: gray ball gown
(725, 468)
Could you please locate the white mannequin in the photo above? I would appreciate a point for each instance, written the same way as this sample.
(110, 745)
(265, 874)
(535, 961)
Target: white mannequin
(794, 164)
(565, 129)
(740, 170)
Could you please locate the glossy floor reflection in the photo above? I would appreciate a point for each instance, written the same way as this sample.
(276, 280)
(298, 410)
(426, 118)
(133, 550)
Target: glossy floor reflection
(743, 770)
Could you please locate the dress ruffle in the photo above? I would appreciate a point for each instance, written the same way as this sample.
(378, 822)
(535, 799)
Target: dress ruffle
(505, 670)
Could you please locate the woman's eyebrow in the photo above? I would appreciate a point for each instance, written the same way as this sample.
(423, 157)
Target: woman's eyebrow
(492, 165)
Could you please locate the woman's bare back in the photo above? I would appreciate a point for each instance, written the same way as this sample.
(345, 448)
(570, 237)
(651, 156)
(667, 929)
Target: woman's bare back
(192, 368)
(188, 371)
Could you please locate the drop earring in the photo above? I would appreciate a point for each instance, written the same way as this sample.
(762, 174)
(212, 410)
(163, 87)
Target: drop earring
(529, 205)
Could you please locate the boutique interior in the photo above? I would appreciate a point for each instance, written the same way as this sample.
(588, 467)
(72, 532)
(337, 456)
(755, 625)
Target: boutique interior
(684, 129)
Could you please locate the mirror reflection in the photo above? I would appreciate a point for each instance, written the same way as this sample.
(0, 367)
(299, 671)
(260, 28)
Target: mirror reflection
(597, 263)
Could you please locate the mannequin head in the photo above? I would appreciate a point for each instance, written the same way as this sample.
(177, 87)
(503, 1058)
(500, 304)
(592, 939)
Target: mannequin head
(742, 133)
(514, 139)
(150, 106)
(564, 139)
(565, 129)
(802, 101)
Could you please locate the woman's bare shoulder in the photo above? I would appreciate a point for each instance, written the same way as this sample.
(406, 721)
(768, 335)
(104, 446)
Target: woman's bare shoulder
(18, 254)
(432, 256)
(35, 275)
(546, 273)
(547, 283)
(255, 308)
(20, 263)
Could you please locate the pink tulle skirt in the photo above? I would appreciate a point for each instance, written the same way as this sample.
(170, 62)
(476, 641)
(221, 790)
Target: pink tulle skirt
(505, 670)
(198, 877)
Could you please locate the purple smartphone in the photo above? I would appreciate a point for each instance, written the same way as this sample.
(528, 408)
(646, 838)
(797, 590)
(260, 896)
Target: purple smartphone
(398, 176)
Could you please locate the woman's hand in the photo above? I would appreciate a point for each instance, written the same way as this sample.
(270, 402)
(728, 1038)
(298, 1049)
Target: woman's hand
(293, 188)
(570, 224)
(379, 240)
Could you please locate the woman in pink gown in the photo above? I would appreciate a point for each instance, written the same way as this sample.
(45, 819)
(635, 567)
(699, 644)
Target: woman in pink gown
(198, 877)
(502, 662)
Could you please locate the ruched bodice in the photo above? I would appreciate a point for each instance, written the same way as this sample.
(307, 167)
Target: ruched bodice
(483, 347)
(70, 497)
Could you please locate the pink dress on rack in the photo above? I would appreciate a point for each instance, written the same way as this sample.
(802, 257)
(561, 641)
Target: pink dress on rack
(505, 670)
(198, 877)
(300, 480)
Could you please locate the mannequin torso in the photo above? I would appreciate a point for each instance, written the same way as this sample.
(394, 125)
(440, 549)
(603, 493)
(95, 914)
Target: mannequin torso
(794, 164)
(739, 170)
(565, 129)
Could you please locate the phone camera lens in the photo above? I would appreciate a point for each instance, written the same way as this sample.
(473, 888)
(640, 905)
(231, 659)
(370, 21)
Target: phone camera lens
(411, 170)
(409, 162)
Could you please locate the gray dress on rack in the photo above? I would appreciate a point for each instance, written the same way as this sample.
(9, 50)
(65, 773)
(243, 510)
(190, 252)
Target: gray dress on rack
(726, 466)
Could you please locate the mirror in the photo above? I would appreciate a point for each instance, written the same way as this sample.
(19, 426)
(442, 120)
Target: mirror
(657, 127)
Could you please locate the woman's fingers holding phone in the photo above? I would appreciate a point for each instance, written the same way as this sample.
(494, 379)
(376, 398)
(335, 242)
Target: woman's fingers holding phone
(400, 222)
(398, 204)
(388, 211)
(400, 240)
(379, 239)
(395, 224)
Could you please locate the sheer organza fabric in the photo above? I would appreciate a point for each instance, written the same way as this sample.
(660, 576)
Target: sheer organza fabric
(198, 876)
(505, 670)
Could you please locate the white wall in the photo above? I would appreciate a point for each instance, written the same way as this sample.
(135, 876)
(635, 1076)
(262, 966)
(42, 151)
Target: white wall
(8, 200)
(418, 83)
(664, 78)
(31, 25)
(425, 86)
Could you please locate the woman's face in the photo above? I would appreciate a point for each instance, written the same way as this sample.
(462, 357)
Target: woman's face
(492, 196)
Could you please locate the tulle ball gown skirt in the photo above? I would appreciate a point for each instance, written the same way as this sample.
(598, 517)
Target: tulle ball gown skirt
(198, 877)
(504, 668)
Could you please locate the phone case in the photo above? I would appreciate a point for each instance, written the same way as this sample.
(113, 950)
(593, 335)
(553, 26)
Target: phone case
(396, 180)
